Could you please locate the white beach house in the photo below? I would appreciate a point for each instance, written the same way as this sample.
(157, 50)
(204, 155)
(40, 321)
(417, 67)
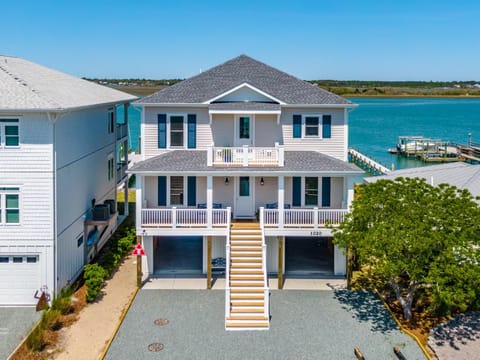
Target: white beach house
(243, 141)
(62, 150)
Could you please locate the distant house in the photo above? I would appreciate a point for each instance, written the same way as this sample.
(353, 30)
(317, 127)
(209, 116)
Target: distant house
(62, 151)
(247, 142)
(459, 174)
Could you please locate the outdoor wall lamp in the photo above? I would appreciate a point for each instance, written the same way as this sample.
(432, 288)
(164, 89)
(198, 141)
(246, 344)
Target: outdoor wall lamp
(226, 181)
(261, 181)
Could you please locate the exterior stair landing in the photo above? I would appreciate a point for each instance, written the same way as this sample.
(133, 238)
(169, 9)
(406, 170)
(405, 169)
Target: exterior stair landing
(248, 296)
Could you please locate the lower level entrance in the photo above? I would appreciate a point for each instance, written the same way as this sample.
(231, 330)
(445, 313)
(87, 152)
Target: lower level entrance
(309, 256)
(177, 255)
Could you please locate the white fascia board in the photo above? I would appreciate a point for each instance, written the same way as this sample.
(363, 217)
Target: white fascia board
(325, 106)
(241, 86)
(274, 112)
(189, 105)
(65, 109)
(264, 173)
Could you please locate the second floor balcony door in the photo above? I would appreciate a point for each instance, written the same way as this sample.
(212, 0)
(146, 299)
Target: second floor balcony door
(244, 131)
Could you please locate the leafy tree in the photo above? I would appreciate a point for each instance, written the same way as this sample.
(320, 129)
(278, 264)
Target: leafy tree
(413, 236)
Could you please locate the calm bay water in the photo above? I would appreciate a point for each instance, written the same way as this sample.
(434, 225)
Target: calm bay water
(376, 124)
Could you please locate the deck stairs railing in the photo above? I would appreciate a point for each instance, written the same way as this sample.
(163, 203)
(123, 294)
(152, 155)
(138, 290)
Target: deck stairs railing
(247, 293)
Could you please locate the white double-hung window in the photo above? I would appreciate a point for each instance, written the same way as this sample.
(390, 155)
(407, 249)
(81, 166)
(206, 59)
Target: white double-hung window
(9, 205)
(9, 133)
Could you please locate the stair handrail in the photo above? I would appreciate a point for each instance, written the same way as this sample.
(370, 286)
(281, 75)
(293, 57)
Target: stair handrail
(227, 266)
(266, 298)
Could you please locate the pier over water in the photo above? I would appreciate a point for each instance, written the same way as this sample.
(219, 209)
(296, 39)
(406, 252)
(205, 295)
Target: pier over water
(367, 163)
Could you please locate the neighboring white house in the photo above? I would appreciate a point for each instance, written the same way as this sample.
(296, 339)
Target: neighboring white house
(462, 175)
(243, 141)
(59, 146)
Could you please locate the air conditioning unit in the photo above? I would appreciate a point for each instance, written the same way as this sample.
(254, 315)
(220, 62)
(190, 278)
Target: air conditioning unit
(112, 204)
(101, 212)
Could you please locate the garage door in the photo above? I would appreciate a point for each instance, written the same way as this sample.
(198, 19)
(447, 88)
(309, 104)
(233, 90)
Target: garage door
(19, 279)
(309, 255)
(178, 254)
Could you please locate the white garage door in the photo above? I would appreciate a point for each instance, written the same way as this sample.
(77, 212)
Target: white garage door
(19, 279)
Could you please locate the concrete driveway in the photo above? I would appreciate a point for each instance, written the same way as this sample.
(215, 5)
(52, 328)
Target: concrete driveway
(15, 323)
(304, 325)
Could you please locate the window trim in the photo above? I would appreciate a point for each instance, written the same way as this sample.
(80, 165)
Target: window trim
(9, 190)
(111, 167)
(305, 191)
(111, 121)
(320, 125)
(169, 131)
(4, 122)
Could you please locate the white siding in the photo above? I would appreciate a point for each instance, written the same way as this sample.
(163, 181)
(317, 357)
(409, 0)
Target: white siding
(267, 193)
(222, 193)
(150, 128)
(267, 131)
(333, 146)
(223, 130)
(82, 147)
(272, 254)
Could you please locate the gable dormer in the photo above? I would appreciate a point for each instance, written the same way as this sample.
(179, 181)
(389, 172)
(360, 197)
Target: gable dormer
(244, 93)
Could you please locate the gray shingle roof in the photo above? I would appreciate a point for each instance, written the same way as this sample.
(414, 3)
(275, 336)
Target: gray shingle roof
(195, 161)
(459, 174)
(28, 86)
(244, 106)
(243, 69)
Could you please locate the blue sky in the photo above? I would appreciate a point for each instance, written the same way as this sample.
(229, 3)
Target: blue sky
(350, 39)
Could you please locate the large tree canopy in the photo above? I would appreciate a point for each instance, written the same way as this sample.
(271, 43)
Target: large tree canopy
(412, 235)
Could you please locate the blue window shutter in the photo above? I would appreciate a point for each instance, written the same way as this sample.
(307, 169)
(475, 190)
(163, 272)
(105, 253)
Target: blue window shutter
(192, 191)
(192, 131)
(326, 189)
(297, 191)
(327, 126)
(297, 126)
(162, 131)
(162, 191)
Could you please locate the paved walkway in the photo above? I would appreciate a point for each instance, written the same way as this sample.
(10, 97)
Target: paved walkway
(304, 325)
(15, 323)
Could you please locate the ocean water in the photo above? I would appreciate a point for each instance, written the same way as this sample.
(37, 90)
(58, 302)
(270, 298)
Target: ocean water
(376, 124)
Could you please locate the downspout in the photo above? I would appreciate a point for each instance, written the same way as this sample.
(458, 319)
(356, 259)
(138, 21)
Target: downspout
(52, 118)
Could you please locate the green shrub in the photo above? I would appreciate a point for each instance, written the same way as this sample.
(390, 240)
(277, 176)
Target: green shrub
(36, 340)
(94, 276)
(62, 301)
(51, 320)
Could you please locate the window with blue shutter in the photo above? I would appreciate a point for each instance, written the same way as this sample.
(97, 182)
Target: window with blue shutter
(327, 126)
(326, 189)
(297, 191)
(192, 191)
(192, 131)
(162, 191)
(162, 131)
(297, 126)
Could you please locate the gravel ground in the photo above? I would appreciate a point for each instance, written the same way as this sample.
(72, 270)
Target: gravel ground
(304, 325)
(15, 323)
(458, 338)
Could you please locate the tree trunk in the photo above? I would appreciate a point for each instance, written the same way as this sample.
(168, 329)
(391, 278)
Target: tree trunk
(405, 302)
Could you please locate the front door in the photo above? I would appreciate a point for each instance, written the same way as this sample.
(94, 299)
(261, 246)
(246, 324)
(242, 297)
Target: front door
(244, 131)
(244, 205)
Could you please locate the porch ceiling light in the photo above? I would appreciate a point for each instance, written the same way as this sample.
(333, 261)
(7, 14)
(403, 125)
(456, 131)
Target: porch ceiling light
(262, 182)
(226, 181)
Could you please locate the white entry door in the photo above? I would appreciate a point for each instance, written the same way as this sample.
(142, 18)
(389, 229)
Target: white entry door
(244, 131)
(244, 204)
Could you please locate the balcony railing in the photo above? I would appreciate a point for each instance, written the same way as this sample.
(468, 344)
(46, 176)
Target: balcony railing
(246, 156)
(121, 171)
(296, 218)
(179, 217)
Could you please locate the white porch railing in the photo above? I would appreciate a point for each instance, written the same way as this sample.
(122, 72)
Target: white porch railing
(179, 217)
(316, 218)
(246, 156)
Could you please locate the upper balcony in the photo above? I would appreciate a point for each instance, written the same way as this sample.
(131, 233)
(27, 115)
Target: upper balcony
(245, 156)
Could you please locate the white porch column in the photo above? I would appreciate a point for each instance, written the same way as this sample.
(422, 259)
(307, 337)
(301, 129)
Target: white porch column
(339, 261)
(350, 191)
(147, 261)
(209, 200)
(139, 200)
(281, 200)
(245, 155)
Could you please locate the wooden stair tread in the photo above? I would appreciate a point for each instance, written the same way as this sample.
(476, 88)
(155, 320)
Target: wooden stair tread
(247, 317)
(237, 310)
(246, 304)
(249, 291)
(246, 272)
(262, 324)
(254, 296)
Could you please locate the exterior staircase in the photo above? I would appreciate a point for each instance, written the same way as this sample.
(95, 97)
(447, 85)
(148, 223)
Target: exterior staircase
(247, 295)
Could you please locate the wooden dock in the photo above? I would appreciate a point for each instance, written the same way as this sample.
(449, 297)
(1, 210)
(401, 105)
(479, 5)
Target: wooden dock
(367, 163)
